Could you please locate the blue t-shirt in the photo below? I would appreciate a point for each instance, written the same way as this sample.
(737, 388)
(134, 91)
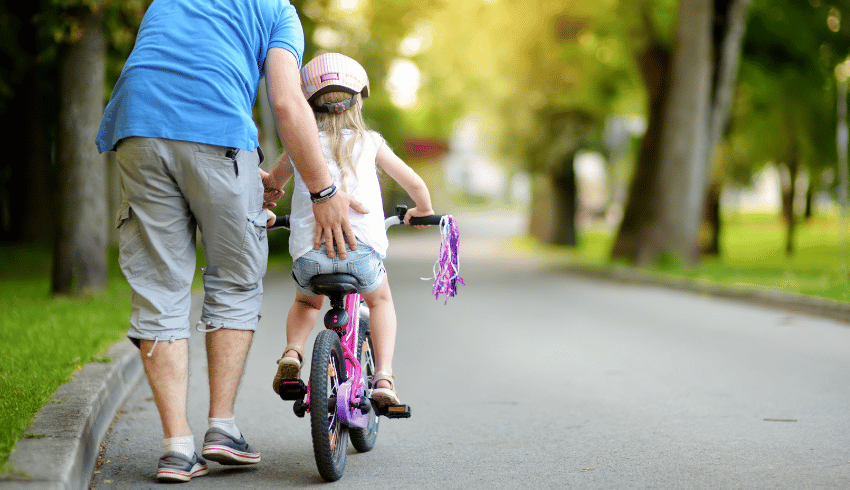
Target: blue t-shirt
(194, 71)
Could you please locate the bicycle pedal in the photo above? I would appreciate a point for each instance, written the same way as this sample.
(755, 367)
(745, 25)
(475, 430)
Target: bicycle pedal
(300, 408)
(394, 411)
(293, 389)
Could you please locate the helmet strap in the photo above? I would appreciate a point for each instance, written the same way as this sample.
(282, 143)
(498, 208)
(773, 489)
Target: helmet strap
(336, 107)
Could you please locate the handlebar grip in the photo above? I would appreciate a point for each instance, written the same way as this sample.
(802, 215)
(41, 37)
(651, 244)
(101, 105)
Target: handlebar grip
(282, 221)
(401, 211)
(434, 219)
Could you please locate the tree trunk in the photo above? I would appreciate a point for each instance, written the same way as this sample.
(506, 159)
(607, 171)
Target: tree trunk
(788, 197)
(681, 186)
(711, 219)
(689, 104)
(80, 254)
(654, 64)
(730, 21)
(564, 199)
(729, 27)
(809, 211)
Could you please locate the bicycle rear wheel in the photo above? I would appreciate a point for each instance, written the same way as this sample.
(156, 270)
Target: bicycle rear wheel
(364, 439)
(330, 436)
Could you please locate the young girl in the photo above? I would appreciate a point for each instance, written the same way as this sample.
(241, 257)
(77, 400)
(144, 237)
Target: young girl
(335, 86)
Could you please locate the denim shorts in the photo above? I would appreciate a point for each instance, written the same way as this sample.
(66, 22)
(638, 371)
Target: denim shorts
(363, 263)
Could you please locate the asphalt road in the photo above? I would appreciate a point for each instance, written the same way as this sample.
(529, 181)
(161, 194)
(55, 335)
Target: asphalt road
(531, 379)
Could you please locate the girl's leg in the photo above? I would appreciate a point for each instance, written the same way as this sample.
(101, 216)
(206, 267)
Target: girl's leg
(301, 320)
(382, 323)
(299, 323)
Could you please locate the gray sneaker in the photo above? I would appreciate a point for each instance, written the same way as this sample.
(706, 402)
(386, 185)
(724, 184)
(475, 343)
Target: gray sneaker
(176, 467)
(221, 447)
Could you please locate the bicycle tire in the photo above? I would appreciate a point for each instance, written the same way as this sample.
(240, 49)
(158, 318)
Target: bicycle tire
(363, 440)
(330, 435)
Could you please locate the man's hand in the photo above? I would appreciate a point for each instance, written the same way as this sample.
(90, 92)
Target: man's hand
(271, 190)
(332, 223)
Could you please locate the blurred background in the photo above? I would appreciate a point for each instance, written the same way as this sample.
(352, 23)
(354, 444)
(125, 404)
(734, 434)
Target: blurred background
(698, 139)
(656, 123)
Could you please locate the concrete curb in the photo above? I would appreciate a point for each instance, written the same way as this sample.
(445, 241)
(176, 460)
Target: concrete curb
(796, 303)
(66, 434)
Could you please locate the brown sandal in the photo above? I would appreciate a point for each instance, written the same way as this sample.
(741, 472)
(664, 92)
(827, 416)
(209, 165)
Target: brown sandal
(384, 396)
(288, 368)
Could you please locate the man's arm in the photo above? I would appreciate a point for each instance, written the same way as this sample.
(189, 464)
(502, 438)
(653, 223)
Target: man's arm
(296, 126)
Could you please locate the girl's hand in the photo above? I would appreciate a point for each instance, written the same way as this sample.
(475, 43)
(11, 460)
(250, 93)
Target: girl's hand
(271, 219)
(417, 213)
(271, 190)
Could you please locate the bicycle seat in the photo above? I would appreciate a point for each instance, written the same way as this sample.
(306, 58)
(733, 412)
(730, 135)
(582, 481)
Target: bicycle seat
(334, 283)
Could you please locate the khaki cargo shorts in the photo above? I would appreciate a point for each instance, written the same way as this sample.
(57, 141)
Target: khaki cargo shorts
(169, 189)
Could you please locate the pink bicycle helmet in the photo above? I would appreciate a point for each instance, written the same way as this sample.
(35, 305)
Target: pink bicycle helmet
(330, 72)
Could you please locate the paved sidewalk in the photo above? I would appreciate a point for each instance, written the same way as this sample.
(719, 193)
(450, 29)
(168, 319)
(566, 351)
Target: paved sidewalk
(66, 435)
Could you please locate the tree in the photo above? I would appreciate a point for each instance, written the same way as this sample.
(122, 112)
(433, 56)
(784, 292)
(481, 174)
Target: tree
(27, 96)
(370, 32)
(683, 146)
(83, 32)
(80, 258)
(728, 34)
(684, 116)
(781, 58)
(542, 76)
(653, 59)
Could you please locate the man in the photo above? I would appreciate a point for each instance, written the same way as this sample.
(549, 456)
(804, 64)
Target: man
(180, 122)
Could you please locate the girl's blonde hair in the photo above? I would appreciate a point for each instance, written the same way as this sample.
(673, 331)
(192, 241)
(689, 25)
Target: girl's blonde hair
(334, 125)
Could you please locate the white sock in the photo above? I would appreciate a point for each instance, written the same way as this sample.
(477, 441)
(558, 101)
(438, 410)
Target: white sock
(227, 425)
(184, 445)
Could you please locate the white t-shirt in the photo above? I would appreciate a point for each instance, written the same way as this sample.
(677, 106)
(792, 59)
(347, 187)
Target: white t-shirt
(368, 228)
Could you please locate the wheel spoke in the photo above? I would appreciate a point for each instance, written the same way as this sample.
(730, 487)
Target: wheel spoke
(330, 438)
(364, 439)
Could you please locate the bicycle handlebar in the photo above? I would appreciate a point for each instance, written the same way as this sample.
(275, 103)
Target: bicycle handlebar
(282, 221)
(434, 219)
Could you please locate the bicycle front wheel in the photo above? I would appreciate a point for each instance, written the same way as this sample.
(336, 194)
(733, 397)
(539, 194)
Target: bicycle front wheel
(364, 439)
(330, 436)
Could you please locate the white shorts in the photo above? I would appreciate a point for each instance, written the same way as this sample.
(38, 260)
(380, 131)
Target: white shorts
(170, 188)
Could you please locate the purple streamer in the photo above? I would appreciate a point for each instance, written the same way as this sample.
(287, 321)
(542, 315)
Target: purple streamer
(448, 275)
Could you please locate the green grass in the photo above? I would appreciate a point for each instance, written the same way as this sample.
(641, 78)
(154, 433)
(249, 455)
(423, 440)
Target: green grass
(47, 339)
(752, 256)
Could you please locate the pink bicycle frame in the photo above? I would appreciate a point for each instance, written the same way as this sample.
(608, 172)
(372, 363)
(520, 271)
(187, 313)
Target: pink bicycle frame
(351, 392)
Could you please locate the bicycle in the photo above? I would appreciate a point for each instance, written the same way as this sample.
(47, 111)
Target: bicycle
(337, 394)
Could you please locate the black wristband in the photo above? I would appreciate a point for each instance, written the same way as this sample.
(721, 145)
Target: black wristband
(323, 195)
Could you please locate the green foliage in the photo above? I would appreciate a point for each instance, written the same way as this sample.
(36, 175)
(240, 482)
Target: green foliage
(57, 23)
(58, 19)
(371, 33)
(786, 94)
(122, 23)
(524, 63)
